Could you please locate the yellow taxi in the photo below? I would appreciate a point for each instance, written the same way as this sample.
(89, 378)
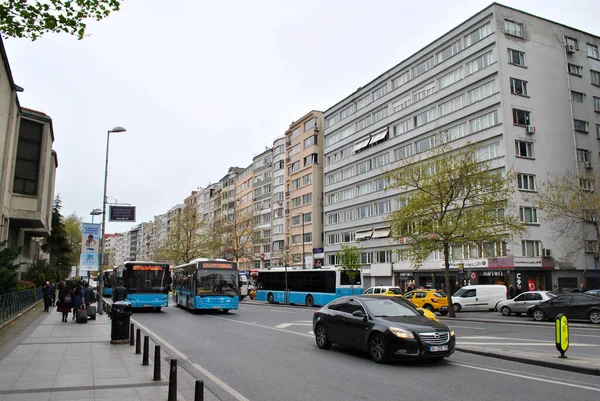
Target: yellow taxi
(432, 300)
(397, 292)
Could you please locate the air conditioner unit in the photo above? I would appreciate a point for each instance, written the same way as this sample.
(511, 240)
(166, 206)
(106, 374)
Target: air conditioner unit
(531, 129)
(570, 49)
(588, 165)
(547, 253)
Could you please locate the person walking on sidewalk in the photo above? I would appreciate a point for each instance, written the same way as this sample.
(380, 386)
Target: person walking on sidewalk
(88, 295)
(64, 301)
(52, 294)
(77, 301)
(47, 296)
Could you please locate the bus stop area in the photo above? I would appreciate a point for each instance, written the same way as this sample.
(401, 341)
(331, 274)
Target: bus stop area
(69, 361)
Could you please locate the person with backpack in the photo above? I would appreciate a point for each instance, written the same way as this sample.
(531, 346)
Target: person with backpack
(88, 295)
(64, 301)
(77, 301)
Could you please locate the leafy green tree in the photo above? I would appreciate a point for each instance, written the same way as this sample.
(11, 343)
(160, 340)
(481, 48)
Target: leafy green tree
(571, 205)
(234, 236)
(451, 196)
(72, 224)
(32, 19)
(8, 268)
(349, 261)
(57, 244)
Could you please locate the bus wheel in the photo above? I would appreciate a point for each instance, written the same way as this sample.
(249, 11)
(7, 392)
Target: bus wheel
(225, 310)
(157, 309)
(270, 298)
(310, 301)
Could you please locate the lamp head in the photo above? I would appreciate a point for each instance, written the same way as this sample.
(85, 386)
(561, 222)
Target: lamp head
(96, 212)
(117, 129)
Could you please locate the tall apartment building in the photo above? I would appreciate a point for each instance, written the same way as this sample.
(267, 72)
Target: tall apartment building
(27, 170)
(278, 255)
(527, 90)
(243, 209)
(262, 184)
(304, 191)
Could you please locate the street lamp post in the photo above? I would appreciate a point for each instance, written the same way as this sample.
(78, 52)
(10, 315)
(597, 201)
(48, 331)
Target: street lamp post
(303, 257)
(101, 257)
(95, 212)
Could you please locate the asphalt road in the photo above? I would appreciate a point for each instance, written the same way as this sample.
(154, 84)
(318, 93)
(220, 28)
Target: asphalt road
(267, 353)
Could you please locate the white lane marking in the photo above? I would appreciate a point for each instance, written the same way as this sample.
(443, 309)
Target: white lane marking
(282, 311)
(284, 325)
(523, 344)
(521, 376)
(532, 340)
(183, 357)
(312, 333)
(467, 327)
(262, 326)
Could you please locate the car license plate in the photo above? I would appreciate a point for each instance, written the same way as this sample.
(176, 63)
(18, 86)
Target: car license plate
(147, 306)
(216, 307)
(438, 348)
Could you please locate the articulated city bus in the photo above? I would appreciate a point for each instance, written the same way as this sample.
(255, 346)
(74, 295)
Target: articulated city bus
(107, 280)
(309, 287)
(207, 284)
(147, 283)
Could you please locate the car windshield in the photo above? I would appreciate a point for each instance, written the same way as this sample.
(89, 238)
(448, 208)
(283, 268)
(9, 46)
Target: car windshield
(460, 292)
(439, 294)
(397, 291)
(386, 307)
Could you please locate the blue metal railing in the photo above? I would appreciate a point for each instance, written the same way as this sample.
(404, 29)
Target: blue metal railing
(15, 302)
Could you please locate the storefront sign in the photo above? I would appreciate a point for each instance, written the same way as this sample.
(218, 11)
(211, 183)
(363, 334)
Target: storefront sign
(318, 253)
(519, 282)
(528, 262)
(405, 275)
(468, 263)
(492, 273)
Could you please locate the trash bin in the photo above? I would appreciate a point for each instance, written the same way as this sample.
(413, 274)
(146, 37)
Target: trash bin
(119, 329)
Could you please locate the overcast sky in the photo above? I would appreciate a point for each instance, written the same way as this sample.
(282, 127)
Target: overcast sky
(204, 85)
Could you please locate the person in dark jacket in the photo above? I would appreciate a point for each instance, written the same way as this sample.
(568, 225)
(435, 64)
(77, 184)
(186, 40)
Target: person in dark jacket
(77, 300)
(119, 293)
(64, 302)
(88, 295)
(52, 294)
(46, 290)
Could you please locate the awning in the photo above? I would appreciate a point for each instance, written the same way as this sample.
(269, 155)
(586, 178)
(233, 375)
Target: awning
(363, 234)
(361, 145)
(381, 232)
(379, 136)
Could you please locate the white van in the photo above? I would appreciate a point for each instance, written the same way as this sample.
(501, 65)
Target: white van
(243, 286)
(478, 297)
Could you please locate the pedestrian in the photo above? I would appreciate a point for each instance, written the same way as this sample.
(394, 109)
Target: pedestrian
(88, 295)
(77, 301)
(64, 301)
(582, 287)
(47, 296)
(119, 293)
(52, 295)
(511, 292)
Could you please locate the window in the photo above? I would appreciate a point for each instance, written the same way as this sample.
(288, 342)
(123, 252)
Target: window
(310, 124)
(478, 34)
(363, 102)
(403, 152)
(575, 69)
(488, 152)
(450, 78)
(572, 42)
(307, 237)
(598, 131)
(423, 92)
(401, 80)
(526, 182)
(595, 77)
(577, 97)
(513, 28)
(294, 150)
(521, 117)
(402, 103)
(332, 120)
(363, 167)
(456, 132)
(424, 144)
(586, 184)
(583, 155)
(524, 149)
(307, 217)
(365, 122)
(452, 105)
(307, 179)
(403, 127)
(422, 67)
(449, 51)
(483, 122)
(531, 249)
(580, 125)
(518, 87)
(380, 114)
(425, 117)
(307, 199)
(311, 140)
(296, 239)
(297, 201)
(592, 51)
(596, 103)
(516, 57)
(295, 133)
(379, 92)
(481, 92)
(384, 207)
(480, 63)
(529, 215)
(311, 159)
(381, 160)
(591, 246)
(28, 157)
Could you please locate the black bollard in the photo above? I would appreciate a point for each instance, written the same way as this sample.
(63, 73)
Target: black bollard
(199, 393)
(157, 362)
(173, 381)
(131, 339)
(146, 351)
(138, 344)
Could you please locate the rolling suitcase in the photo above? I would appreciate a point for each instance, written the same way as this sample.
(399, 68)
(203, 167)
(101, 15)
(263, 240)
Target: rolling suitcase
(82, 316)
(91, 311)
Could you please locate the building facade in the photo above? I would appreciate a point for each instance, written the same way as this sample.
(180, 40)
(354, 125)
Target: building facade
(526, 90)
(262, 184)
(278, 222)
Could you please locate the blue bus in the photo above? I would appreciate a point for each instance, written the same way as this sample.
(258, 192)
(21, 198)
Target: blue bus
(207, 284)
(147, 283)
(310, 287)
(107, 280)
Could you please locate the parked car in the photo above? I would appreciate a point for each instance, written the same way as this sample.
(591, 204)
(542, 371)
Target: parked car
(385, 327)
(521, 302)
(573, 306)
(432, 300)
(477, 297)
(397, 292)
(593, 292)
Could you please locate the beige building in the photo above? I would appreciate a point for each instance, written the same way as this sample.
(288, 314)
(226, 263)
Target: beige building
(304, 191)
(28, 169)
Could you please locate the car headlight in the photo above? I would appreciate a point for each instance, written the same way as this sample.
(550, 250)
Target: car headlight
(401, 333)
(451, 333)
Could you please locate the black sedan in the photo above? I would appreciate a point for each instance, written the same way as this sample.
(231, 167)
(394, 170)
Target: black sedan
(573, 306)
(386, 327)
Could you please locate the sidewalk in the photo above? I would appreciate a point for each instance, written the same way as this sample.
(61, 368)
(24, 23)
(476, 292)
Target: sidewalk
(70, 361)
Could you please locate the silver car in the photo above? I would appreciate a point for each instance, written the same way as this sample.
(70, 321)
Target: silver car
(521, 302)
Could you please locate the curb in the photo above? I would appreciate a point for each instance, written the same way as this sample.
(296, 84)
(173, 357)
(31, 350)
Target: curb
(18, 315)
(530, 361)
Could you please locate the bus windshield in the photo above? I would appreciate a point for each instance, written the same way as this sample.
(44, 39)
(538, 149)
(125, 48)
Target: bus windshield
(147, 281)
(217, 282)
